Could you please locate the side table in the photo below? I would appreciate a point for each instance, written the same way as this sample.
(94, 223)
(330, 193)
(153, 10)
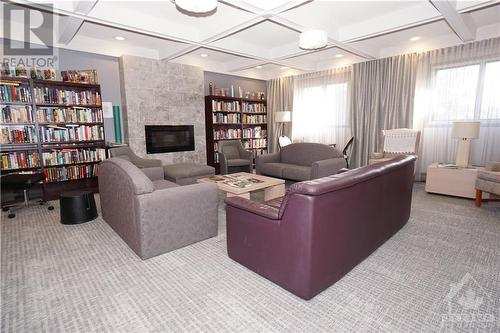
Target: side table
(459, 182)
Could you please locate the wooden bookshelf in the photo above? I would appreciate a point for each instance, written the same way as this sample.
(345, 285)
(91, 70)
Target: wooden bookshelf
(67, 138)
(237, 118)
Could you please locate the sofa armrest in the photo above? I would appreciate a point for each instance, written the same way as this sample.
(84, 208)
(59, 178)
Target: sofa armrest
(154, 173)
(223, 164)
(492, 166)
(342, 170)
(147, 162)
(174, 217)
(327, 167)
(257, 208)
(246, 154)
(268, 158)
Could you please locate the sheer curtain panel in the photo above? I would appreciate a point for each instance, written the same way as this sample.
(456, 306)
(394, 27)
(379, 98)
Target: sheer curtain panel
(321, 107)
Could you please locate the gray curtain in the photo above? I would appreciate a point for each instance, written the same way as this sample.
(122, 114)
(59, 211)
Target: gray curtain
(382, 98)
(279, 98)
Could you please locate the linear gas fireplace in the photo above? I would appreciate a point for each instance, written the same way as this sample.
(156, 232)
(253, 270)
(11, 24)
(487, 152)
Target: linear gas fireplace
(169, 138)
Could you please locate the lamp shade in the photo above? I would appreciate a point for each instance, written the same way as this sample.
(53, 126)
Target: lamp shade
(197, 6)
(283, 117)
(313, 39)
(465, 129)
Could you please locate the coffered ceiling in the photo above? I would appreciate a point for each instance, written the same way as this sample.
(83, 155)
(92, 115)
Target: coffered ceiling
(259, 38)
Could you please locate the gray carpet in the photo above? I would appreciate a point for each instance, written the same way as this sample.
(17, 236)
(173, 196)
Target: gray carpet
(57, 278)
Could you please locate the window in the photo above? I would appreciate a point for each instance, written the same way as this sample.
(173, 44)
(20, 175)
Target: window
(490, 100)
(467, 92)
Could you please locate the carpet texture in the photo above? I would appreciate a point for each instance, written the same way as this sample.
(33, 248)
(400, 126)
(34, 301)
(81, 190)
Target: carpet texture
(439, 273)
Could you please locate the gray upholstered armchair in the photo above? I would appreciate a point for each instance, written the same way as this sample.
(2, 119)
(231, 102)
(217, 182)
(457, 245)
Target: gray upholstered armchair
(152, 215)
(127, 154)
(233, 157)
(488, 180)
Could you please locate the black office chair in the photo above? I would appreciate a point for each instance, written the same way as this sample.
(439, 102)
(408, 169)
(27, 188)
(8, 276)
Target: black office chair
(14, 183)
(347, 151)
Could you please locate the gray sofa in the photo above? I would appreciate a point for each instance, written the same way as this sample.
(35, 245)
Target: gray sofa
(152, 215)
(301, 161)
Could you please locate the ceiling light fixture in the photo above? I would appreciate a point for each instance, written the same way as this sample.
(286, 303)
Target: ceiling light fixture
(258, 66)
(413, 39)
(197, 6)
(119, 38)
(284, 67)
(313, 39)
(203, 55)
(339, 55)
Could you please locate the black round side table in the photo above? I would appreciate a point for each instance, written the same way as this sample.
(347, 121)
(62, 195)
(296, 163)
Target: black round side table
(77, 207)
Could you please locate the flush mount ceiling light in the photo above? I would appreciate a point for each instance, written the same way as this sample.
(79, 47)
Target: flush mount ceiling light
(284, 67)
(196, 6)
(413, 39)
(258, 66)
(313, 39)
(119, 38)
(339, 55)
(203, 55)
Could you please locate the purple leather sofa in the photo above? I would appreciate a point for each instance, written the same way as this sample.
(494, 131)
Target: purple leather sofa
(301, 161)
(321, 228)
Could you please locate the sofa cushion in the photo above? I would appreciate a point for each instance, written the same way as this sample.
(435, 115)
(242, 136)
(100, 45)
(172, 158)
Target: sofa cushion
(231, 152)
(238, 162)
(273, 169)
(163, 184)
(297, 172)
(491, 176)
(124, 157)
(306, 153)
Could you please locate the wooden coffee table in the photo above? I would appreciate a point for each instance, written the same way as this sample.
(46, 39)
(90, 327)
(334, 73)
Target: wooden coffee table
(273, 187)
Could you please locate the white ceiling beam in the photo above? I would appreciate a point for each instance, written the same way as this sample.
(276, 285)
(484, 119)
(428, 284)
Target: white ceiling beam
(461, 24)
(69, 26)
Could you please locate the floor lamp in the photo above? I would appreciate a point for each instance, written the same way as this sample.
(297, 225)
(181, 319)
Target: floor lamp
(464, 131)
(282, 117)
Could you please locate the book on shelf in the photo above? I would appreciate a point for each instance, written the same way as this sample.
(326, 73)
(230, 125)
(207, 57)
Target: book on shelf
(254, 107)
(14, 93)
(16, 114)
(254, 143)
(254, 119)
(71, 133)
(254, 132)
(20, 160)
(225, 106)
(227, 133)
(73, 172)
(69, 115)
(18, 134)
(73, 156)
(230, 118)
(52, 95)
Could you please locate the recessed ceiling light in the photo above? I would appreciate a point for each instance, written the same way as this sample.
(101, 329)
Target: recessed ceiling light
(258, 66)
(119, 38)
(284, 67)
(339, 55)
(413, 39)
(204, 55)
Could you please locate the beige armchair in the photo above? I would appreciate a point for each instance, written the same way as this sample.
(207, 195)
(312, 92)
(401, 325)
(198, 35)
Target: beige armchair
(399, 141)
(488, 180)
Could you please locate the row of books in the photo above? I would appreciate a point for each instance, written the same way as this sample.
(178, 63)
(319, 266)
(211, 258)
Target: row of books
(254, 119)
(69, 115)
(12, 93)
(20, 160)
(61, 96)
(254, 107)
(70, 173)
(255, 132)
(230, 118)
(227, 133)
(225, 106)
(254, 143)
(70, 156)
(73, 133)
(16, 114)
(19, 134)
